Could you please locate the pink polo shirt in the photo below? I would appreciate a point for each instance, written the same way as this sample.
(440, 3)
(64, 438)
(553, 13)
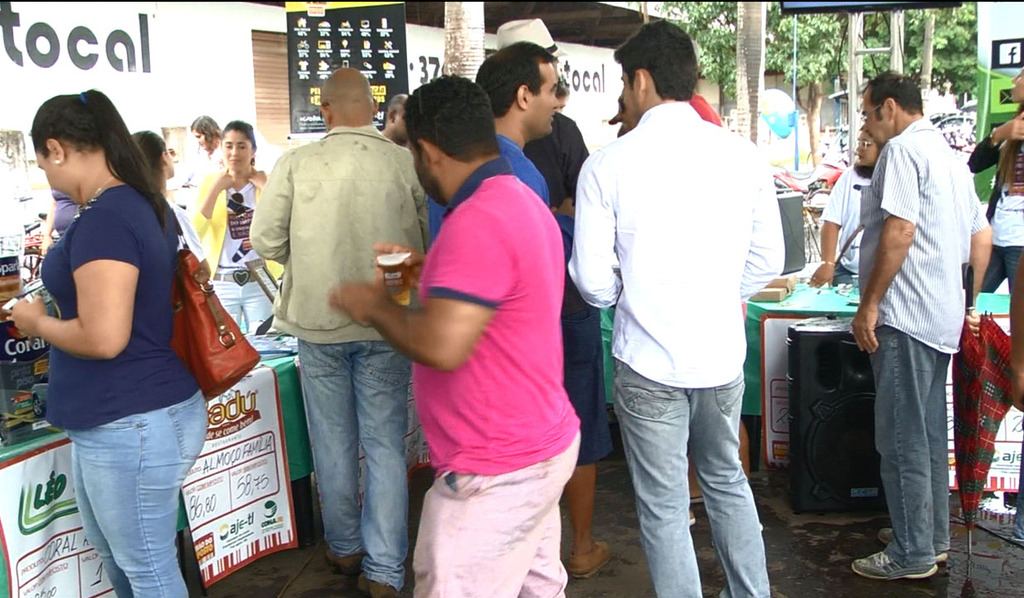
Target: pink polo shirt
(505, 408)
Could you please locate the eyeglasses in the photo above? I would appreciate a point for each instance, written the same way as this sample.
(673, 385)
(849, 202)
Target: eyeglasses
(865, 143)
(237, 203)
(866, 115)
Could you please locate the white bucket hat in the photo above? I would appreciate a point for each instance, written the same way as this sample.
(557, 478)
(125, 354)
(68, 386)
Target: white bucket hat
(527, 30)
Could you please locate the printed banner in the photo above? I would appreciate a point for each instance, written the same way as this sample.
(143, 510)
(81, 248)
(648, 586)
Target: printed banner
(238, 494)
(775, 388)
(1005, 472)
(326, 36)
(44, 547)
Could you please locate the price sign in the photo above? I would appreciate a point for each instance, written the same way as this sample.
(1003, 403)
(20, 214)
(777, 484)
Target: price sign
(237, 498)
(43, 544)
(324, 37)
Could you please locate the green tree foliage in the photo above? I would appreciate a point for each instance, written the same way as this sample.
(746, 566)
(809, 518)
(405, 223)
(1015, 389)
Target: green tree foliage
(821, 43)
(955, 46)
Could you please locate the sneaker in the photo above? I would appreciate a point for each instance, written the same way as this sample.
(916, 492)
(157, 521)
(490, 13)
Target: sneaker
(374, 589)
(693, 518)
(346, 565)
(582, 566)
(885, 537)
(879, 566)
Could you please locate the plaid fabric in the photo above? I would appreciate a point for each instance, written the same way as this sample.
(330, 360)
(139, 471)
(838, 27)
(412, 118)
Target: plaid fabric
(981, 398)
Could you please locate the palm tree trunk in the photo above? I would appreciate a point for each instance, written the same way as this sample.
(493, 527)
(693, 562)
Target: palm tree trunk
(463, 38)
(750, 38)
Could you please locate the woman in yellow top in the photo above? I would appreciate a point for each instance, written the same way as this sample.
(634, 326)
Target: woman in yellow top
(222, 217)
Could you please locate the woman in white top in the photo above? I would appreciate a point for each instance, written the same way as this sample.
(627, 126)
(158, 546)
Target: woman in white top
(222, 216)
(1004, 148)
(154, 149)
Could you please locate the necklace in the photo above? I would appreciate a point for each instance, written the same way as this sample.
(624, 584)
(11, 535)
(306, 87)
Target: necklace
(101, 189)
(95, 196)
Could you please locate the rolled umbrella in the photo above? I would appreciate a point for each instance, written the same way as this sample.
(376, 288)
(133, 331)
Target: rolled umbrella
(981, 399)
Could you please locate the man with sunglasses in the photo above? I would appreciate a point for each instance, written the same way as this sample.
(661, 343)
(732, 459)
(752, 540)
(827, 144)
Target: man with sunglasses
(922, 224)
(324, 207)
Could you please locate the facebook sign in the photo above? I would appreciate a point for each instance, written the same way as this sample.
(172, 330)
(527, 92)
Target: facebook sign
(1007, 53)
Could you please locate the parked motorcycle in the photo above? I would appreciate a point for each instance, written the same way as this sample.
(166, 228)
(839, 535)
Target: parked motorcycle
(823, 176)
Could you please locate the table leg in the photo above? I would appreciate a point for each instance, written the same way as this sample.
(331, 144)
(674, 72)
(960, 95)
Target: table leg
(302, 497)
(753, 425)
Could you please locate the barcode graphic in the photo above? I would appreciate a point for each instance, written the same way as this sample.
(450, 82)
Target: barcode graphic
(239, 556)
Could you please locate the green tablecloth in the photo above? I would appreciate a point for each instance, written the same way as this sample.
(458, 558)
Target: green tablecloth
(810, 302)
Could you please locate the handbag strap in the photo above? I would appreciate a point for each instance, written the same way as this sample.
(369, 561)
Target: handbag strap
(846, 246)
(201, 278)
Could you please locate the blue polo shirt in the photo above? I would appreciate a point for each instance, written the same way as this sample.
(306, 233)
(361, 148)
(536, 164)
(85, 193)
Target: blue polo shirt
(522, 167)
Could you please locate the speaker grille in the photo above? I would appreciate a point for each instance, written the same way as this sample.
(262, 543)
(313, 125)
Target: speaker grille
(833, 462)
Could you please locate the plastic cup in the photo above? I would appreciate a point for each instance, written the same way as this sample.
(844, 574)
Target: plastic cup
(396, 276)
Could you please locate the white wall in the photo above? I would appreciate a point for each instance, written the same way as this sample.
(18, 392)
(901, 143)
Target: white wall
(200, 58)
(589, 106)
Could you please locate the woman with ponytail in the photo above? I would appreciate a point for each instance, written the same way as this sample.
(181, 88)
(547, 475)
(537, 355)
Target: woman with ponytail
(1003, 149)
(161, 164)
(133, 412)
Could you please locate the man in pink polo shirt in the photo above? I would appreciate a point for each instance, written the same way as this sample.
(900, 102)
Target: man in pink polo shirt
(486, 344)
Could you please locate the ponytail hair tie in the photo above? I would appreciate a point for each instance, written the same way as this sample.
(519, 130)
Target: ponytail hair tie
(83, 98)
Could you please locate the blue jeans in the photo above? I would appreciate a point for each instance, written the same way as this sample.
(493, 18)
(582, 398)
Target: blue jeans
(247, 304)
(358, 393)
(658, 423)
(842, 276)
(911, 437)
(1002, 265)
(128, 476)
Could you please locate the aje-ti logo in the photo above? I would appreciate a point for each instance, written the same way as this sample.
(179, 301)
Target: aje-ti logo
(78, 44)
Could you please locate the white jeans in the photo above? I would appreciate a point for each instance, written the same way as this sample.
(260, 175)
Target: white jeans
(247, 304)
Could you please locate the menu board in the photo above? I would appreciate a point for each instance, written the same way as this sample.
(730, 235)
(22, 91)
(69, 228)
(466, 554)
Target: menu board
(237, 495)
(326, 36)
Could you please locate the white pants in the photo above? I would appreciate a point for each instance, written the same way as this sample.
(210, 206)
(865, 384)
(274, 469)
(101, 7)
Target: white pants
(247, 304)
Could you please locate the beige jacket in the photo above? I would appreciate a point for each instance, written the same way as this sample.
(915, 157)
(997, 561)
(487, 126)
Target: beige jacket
(323, 208)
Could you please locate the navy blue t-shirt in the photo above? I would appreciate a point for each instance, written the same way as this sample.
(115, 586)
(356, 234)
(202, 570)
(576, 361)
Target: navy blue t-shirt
(84, 393)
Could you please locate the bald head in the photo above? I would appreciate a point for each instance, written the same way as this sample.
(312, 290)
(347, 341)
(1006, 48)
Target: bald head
(346, 101)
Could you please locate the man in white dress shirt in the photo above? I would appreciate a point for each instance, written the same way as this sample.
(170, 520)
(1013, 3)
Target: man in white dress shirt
(652, 199)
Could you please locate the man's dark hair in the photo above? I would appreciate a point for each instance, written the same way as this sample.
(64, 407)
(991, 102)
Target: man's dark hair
(902, 89)
(562, 89)
(454, 114)
(396, 103)
(508, 69)
(665, 51)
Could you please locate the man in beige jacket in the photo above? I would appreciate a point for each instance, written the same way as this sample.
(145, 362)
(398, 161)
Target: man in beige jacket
(324, 207)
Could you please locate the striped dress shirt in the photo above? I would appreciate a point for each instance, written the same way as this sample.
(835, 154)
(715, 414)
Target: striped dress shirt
(918, 178)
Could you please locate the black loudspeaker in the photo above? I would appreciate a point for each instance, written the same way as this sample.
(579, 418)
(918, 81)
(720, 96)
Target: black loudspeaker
(833, 463)
(791, 210)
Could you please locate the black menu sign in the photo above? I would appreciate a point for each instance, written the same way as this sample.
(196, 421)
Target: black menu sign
(326, 36)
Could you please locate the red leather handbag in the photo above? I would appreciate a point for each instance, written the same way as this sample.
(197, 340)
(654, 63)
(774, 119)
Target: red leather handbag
(206, 338)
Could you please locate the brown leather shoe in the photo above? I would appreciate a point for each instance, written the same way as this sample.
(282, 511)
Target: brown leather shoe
(582, 566)
(346, 565)
(374, 589)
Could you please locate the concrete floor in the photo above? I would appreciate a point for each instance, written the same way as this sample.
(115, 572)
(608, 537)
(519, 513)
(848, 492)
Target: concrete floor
(809, 555)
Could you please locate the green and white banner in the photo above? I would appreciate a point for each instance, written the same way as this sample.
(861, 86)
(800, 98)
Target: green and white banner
(44, 546)
(1000, 58)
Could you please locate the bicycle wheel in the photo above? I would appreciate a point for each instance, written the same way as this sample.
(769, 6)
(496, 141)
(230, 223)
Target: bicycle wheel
(31, 263)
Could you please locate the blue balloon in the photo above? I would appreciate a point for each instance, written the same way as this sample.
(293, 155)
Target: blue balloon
(779, 111)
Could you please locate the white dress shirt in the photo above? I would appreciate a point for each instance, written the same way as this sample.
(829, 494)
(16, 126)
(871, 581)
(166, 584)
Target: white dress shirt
(688, 210)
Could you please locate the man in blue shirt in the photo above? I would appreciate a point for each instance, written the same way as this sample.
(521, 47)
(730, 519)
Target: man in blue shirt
(520, 80)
